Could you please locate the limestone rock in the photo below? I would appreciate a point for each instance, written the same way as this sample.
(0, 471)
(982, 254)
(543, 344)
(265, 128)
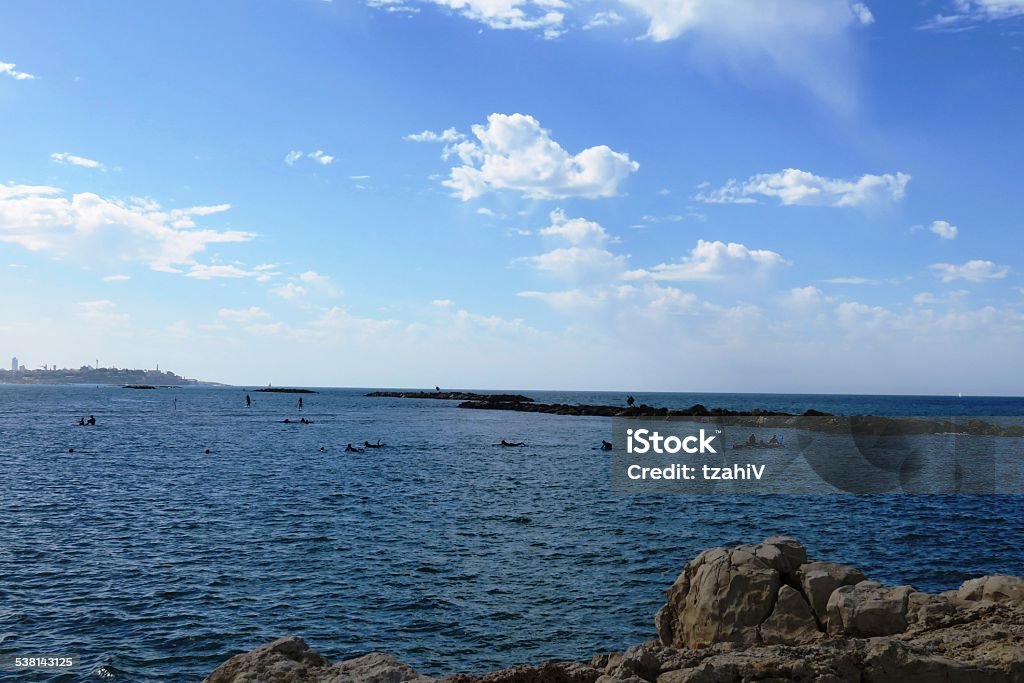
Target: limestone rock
(291, 660)
(994, 588)
(721, 596)
(819, 579)
(868, 609)
(791, 621)
(286, 660)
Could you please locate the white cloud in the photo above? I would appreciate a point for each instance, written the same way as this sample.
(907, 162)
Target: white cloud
(243, 315)
(307, 283)
(602, 19)
(321, 157)
(447, 135)
(102, 313)
(806, 41)
(795, 187)
(514, 153)
(852, 280)
(975, 270)
(579, 263)
(576, 231)
(804, 296)
(541, 15)
(929, 299)
(966, 12)
(586, 257)
(74, 160)
(443, 303)
(944, 229)
(863, 13)
(290, 291)
(88, 227)
(714, 261)
(117, 278)
(228, 271)
(7, 68)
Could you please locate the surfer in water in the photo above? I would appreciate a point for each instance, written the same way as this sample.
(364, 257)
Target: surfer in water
(606, 445)
(352, 449)
(248, 401)
(508, 444)
(300, 403)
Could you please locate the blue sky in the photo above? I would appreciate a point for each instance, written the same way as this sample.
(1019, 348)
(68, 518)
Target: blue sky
(781, 195)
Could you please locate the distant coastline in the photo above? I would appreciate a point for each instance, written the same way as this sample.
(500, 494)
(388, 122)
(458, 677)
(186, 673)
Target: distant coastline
(90, 375)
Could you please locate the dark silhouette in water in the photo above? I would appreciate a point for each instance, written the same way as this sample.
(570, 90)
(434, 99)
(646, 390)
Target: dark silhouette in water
(71, 450)
(81, 422)
(630, 401)
(352, 449)
(248, 401)
(367, 444)
(300, 403)
(207, 451)
(512, 443)
(91, 421)
(286, 421)
(323, 449)
(606, 445)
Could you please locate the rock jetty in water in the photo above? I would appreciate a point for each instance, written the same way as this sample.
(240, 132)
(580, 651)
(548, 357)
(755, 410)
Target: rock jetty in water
(488, 399)
(760, 612)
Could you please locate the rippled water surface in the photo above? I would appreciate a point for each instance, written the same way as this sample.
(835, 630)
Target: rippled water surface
(154, 561)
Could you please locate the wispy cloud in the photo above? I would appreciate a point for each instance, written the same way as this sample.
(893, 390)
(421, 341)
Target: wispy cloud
(975, 270)
(8, 69)
(792, 186)
(75, 160)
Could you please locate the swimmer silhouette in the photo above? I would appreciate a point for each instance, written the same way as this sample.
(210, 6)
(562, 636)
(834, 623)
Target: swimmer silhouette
(248, 401)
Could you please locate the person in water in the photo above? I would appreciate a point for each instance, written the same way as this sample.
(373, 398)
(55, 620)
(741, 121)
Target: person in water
(91, 421)
(81, 422)
(286, 421)
(352, 449)
(367, 444)
(606, 445)
(752, 441)
(300, 403)
(512, 443)
(248, 401)
(774, 441)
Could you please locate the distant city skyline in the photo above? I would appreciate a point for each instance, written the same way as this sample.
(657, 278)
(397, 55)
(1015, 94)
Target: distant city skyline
(675, 195)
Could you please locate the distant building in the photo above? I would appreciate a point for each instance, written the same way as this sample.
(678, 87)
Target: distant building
(14, 364)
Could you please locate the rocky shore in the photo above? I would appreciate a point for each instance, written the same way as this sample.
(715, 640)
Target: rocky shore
(760, 612)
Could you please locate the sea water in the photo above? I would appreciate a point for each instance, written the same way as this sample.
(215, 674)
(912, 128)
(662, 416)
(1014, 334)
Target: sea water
(152, 560)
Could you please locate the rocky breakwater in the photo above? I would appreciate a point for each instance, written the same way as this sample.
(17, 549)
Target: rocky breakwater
(760, 612)
(486, 399)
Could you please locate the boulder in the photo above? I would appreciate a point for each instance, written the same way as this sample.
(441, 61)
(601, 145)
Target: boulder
(721, 596)
(994, 588)
(867, 610)
(286, 660)
(291, 660)
(784, 554)
(791, 621)
(819, 579)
